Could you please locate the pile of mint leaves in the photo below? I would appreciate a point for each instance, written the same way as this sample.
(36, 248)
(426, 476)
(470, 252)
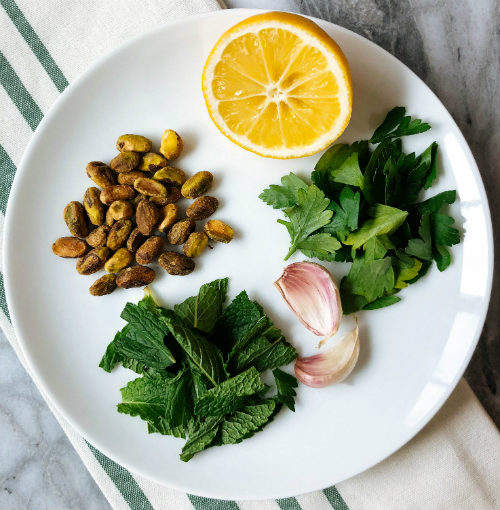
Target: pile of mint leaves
(200, 367)
(362, 207)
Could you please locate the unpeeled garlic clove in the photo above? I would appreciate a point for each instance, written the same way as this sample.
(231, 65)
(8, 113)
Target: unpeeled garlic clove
(331, 366)
(312, 295)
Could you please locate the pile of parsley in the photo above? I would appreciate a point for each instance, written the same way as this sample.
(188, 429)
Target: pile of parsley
(363, 207)
(200, 367)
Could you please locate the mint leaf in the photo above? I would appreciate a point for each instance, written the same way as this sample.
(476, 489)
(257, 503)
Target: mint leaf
(161, 427)
(385, 220)
(396, 124)
(245, 422)
(319, 245)
(285, 384)
(200, 351)
(202, 434)
(307, 216)
(280, 197)
(421, 248)
(370, 279)
(281, 353)
(228, 395)
(240, 321)
(346, 213)
(203, 310)
(434, 204)
(382, 302)
(164, 402)
(144, 337)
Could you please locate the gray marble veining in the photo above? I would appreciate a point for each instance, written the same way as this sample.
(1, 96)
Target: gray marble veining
(454, 46)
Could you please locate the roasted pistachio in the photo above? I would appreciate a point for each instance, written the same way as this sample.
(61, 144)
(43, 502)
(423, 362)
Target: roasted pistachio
(98, 237)
(75, 218)
(202, 208)
(196, 185)
(151, 162)
(135, 276)
(170, 144)
(117, 192)
(146, 216)
(218, 231)
(173, 195)
(180, 231)
(150, 187)
(104, 285)
(119, 260)
(195, 244)
(109, 219)
(121, 209)
(170, 176)
(92, 261)
(176, 263)
(129, 177)
(69, 247)
(119, 234)
(169, 215)
(101, 174)
(136, 143)
(125, 162)
(149, 250)
(135, 239)
(94, 206)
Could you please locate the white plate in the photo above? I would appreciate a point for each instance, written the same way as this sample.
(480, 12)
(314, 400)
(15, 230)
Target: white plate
(412, 354)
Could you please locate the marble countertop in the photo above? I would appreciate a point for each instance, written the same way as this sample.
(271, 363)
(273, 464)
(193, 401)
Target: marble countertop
(454, 46)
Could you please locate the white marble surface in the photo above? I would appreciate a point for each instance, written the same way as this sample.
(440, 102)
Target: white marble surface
(454, 46)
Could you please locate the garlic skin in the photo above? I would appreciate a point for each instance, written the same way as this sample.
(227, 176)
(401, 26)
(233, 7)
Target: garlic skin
(331, 366)
(312, 295)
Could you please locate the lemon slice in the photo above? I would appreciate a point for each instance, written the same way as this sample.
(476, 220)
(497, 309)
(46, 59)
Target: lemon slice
(278, 85)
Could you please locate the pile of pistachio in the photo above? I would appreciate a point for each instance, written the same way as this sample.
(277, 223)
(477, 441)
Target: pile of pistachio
(123, 221)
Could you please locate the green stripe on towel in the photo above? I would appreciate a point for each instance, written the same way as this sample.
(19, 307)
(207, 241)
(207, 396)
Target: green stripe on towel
(124, 481)
(34, 42)
(288, 504)
(18, 93)
(335, 499)
(3, 301)
(7, 173)
(200, 503)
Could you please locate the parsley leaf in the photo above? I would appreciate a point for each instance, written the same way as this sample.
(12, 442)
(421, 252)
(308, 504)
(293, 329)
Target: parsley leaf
(368, 278)
(382, 302)
(385, 220)
(396, 124)
(443, 233)
(280, 197)
(340, 164)
(309, 215)
(285, 384)
(422, 248)
(434, 204)
(346, 214)
(319, 245)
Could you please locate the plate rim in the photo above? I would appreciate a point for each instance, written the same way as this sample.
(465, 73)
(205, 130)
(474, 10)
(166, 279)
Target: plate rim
(9, 229)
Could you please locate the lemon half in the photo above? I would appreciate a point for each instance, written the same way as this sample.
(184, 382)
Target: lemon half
(278, 85)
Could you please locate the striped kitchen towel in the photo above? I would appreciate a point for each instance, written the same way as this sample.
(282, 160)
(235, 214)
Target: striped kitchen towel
(452, 464)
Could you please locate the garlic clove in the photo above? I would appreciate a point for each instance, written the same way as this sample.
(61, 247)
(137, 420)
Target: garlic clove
(312, 295)
(332, 365)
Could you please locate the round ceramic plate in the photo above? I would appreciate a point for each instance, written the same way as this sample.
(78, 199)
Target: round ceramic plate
(412, 354)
